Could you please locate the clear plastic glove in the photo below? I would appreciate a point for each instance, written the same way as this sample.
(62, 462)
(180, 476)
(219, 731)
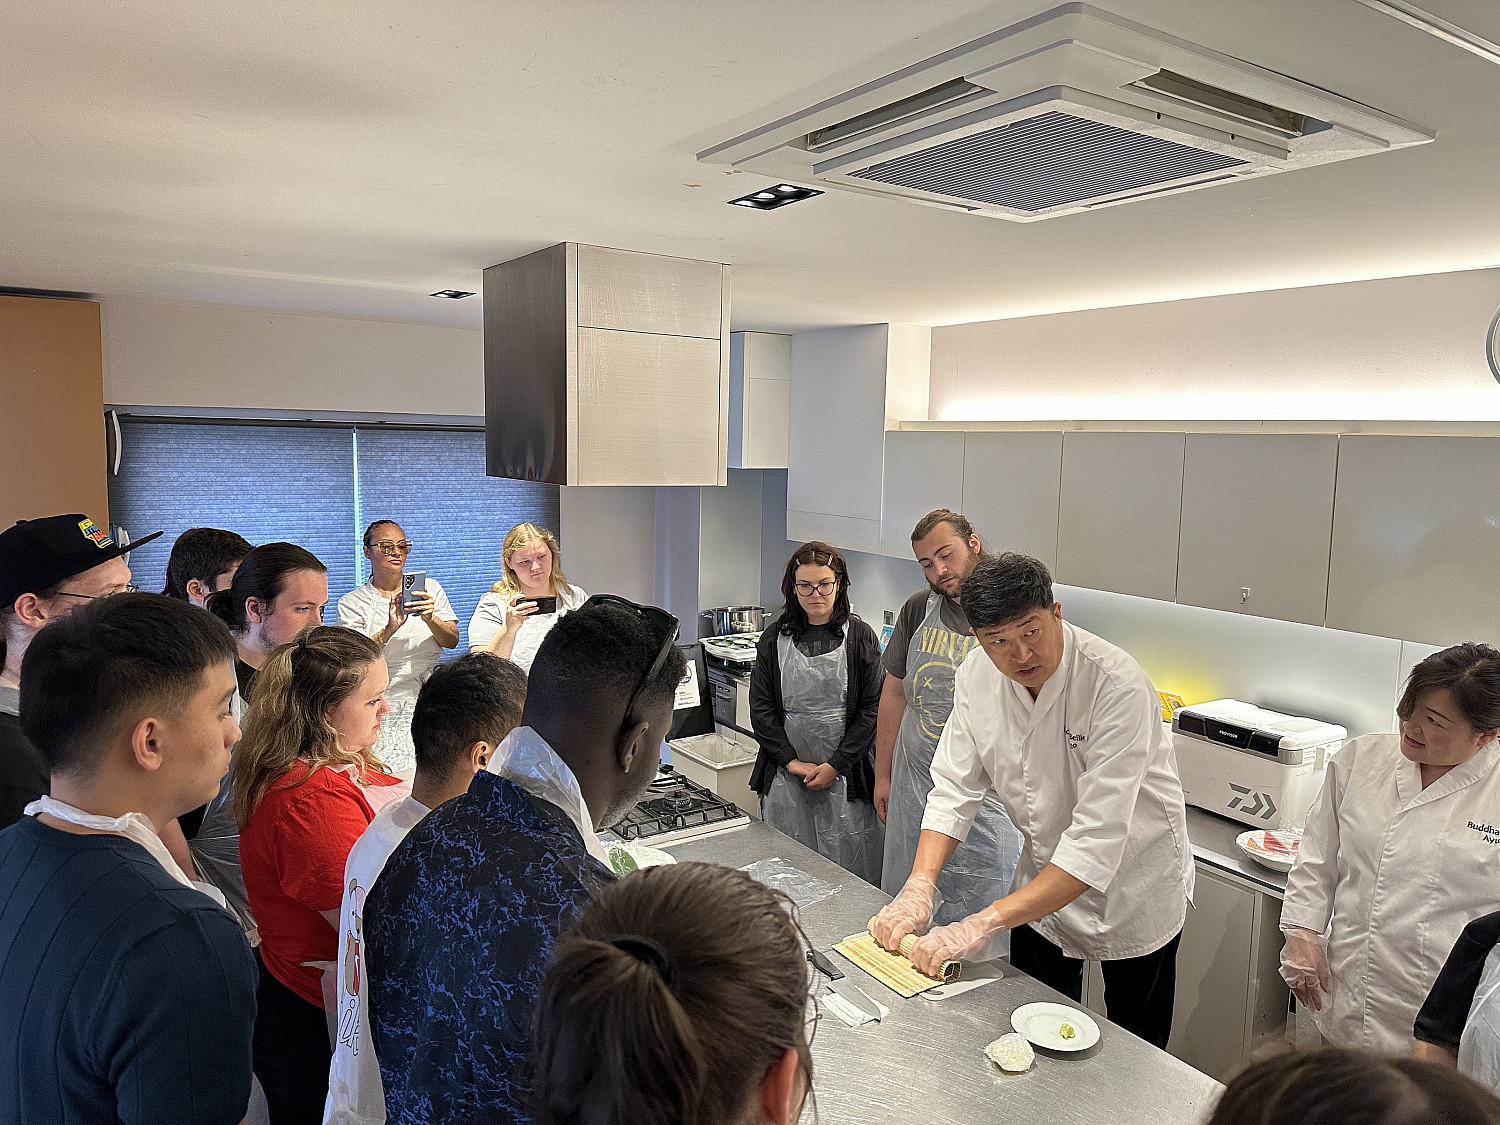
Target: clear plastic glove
(910, 912)
(1304, 967)
(955, 941)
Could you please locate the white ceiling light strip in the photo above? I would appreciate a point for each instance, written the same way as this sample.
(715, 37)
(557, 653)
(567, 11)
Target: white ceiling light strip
(1437, 27)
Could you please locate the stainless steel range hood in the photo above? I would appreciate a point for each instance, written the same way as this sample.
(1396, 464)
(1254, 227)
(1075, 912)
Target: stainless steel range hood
(606, 366)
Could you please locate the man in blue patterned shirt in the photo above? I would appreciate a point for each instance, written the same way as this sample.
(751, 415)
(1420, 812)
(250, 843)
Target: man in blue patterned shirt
(461, 921)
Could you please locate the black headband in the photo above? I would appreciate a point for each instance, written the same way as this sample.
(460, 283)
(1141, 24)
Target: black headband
(650, 952)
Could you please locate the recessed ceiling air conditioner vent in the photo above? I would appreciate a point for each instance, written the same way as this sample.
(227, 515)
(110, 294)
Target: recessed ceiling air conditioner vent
(1071, 110)
(1045, 162)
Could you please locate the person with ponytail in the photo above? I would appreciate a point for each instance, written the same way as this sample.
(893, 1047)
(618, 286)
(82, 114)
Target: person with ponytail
(278, 590)
(305, 786)
(679, 997)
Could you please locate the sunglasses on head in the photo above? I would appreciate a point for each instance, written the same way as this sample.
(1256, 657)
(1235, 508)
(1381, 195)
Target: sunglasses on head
(662, 623)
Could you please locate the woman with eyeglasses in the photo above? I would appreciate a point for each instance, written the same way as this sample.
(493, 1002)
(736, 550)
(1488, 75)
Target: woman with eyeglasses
(814, 695)
(532, 594)
(412, 635)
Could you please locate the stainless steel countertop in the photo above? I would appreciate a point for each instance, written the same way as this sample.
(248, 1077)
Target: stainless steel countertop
(1212, 837)
(924, 1064)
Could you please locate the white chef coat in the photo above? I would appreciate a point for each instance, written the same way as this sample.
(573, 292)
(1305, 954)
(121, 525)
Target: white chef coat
(489, 618)
(1393, 872)
(1087, 773)
(413, 651)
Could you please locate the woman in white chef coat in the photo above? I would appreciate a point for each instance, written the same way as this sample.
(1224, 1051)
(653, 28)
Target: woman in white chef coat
(509, 622)
(1401, 851)
(413, 638)
(814, 697)
(1066, 729)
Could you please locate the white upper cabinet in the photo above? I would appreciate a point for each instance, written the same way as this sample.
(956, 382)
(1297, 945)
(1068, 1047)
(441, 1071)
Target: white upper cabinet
(1257, 516)
(847, 383)
(760, 381)
(1010, 494)
(1416, 539)
(1118, 515)
(923, 471)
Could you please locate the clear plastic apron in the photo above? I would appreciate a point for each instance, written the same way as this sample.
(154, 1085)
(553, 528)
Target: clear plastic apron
(1479, 1049)
(813, 690)
(984, 864)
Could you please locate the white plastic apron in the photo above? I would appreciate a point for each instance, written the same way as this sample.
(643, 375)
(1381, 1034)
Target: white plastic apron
(133, 826)
(813, 690)
(981, 870)
(1479, 1049)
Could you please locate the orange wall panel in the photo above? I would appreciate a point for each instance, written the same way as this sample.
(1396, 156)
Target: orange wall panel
(52, 455)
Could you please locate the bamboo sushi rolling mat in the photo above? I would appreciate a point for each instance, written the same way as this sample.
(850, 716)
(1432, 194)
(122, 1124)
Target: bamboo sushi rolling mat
(894, 970)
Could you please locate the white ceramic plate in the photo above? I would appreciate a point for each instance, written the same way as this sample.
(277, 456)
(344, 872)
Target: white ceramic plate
(1040, 1024)
(1254, 845)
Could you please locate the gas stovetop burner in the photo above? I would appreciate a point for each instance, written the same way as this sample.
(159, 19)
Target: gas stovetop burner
(676, 808)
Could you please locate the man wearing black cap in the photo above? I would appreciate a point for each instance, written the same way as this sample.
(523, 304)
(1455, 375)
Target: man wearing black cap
(48, 568)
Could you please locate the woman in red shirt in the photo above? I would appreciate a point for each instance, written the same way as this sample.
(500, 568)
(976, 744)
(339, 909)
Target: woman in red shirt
(306, 784)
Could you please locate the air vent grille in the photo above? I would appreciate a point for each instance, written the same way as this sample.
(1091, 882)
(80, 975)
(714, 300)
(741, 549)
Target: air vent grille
(1051, 160)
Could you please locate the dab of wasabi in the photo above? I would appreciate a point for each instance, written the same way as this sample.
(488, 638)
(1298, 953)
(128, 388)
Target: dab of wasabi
(1066, 1031)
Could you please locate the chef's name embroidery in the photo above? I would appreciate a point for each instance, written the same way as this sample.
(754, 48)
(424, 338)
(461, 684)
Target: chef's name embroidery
(1490, 833)
(1074, 740)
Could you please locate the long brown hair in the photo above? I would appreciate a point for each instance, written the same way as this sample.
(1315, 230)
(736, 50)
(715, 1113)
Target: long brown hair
(685, 1040)
(793, 617)
(288, 716)
(522, 535)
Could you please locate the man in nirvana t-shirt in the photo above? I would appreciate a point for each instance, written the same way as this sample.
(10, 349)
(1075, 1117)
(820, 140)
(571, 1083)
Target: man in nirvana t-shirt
(129, 992)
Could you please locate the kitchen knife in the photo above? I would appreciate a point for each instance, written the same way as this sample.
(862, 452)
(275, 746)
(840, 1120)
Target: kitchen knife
(824, 965)
(853, 994)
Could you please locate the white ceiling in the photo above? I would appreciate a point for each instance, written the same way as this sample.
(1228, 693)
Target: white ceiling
(352, 157)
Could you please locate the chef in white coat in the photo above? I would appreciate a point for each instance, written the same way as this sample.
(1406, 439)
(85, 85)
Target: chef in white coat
(1401, 851)
(1066, 729)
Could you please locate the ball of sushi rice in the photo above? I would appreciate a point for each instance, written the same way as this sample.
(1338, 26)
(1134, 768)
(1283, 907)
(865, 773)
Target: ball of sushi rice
(1011, 1052)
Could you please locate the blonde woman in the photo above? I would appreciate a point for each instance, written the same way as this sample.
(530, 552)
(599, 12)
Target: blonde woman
(510, 621)
(306, 785)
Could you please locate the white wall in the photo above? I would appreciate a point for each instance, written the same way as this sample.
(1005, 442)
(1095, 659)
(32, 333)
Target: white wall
(729, 549)
(223, 357)
(1403, 348)
(608, 538)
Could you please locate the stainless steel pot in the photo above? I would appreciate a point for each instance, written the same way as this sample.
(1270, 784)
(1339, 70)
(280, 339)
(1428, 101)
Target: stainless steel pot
(732, 619)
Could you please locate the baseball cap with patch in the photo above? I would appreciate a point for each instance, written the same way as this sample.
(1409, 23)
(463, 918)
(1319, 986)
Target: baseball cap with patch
(36, 555)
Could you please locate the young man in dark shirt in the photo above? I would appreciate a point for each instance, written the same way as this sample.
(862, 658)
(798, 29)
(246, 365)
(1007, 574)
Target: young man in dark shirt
(48, 568)
(459, 924)
(128, 993)
(1460, 1021)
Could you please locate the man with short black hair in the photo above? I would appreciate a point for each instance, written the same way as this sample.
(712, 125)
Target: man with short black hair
(48, 568)
(203, 562)
(463, 713)
(129, 992)
(1066, 729)
(461, 920)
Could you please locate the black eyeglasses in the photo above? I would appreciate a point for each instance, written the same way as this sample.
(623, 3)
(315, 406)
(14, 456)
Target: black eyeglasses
(662, 623)
(130, 589)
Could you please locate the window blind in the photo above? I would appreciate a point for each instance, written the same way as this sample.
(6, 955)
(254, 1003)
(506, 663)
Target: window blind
(432, 483)
(269, 483)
